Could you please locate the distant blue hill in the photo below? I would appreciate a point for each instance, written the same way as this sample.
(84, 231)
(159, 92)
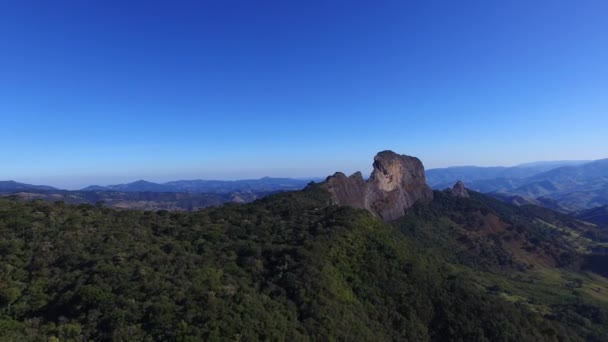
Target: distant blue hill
(144, 195)
(441, 178)
(573, 185)
(209, 186)
(12, 186)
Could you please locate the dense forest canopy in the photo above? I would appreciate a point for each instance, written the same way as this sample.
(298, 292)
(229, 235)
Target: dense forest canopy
(294, 267)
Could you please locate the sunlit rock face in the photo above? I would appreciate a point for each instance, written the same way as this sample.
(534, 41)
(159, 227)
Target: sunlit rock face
(396, 183)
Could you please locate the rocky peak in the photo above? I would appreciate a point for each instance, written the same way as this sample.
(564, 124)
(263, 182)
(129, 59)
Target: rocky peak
(459, 190)
(396, 183)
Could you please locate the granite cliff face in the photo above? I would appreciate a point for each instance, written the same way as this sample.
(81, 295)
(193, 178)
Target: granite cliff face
(396, 183)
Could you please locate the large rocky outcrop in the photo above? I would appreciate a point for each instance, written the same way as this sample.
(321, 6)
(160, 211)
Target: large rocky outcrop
(396, 183)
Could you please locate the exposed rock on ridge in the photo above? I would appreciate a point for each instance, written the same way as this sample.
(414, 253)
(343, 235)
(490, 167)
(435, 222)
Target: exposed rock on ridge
(396, 183)
(459, 190)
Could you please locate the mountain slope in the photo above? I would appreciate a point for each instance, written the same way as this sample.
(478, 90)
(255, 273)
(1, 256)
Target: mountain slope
(289, 266)
(597, 215)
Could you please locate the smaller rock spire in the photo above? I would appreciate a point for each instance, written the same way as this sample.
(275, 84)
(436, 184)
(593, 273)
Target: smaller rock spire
(459, 190)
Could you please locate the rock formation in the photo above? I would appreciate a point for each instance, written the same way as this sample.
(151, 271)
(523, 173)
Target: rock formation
(396, 183)
(459, 190)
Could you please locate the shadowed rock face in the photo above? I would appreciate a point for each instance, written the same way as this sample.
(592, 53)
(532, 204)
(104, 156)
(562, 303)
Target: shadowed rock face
(459, 190)
(396, 183)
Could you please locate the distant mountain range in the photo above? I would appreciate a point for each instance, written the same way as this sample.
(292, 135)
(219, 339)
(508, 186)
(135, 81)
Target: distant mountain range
(176, 195)
(209, 186)
(564, 185)
(12, 186)
(445, 177)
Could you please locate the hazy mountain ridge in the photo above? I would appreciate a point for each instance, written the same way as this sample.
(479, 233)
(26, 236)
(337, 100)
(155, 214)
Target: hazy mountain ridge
(578, 185)
(176, 195)
(209, 186)
(566, 186)
(441, 178)
(11, 186)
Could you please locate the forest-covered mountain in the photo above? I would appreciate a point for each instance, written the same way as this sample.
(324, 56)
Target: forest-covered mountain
(293, 266)
(461, 266)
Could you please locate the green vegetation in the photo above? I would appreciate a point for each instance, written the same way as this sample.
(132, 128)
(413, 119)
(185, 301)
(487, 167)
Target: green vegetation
(527, 255)
(141, 200)
(292, 267)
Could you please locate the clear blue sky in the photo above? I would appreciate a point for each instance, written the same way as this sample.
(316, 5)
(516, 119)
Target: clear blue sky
(113, 91)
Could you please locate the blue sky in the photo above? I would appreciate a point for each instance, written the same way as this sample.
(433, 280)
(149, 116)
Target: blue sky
(114, 91)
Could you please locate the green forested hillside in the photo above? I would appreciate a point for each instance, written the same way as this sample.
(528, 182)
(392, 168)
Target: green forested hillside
(293, 267)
